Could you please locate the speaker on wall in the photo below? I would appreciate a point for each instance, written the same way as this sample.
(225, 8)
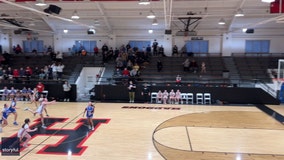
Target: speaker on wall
(168, 31)
(250, 30)
(52, 9)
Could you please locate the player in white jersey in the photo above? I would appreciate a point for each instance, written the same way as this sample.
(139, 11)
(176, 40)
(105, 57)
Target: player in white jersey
(42, 106)
(24, 132)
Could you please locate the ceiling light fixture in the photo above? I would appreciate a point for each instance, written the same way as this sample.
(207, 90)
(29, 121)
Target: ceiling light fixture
(155, 22)
(144, 2)
(222, 21)
(151, 15)
(40, 3)
(150, 31)
(75, 15)
(65, 30)
(267, 1)
(240, 13)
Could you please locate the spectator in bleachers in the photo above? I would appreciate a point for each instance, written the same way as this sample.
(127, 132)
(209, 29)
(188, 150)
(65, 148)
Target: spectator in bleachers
(125, 72)
(5, 75)
(28, 73)
(10, 73)
(155, 47)
(96, 50)
(36, 72)
(18, 49)
(148, 50)
(127, 48)
(116, 53)
(119, 63)
(159, 65)
(54, 70)
(203, 67)
(117, 73)
(133, 72)
(22, 73)
(193, 67)
(178, 80)
(59, 56)
(41, 74)
(59, 69)
(74, 50)
(186, 64)
(16, 74)
(50, 73)
(34, 52)
(129, 65)
(161, 51)
(175, 50)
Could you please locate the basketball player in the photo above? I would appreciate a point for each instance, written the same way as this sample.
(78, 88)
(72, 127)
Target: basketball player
(5, 114)
(24, 132)
(43, 104)
(89, 111)
(12, 109)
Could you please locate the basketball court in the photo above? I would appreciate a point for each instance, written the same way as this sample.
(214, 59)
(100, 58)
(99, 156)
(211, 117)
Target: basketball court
(131, 131)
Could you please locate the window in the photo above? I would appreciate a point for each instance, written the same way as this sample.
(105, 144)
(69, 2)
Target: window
(257, 46)
(196, 46)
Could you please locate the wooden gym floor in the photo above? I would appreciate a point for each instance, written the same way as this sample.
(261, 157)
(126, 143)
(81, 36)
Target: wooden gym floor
(125, 131)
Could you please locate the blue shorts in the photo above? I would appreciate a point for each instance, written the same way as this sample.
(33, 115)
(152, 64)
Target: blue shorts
(89, 115)
(12, 110)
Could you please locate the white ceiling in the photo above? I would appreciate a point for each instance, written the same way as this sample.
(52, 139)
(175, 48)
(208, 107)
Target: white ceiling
(126, 16)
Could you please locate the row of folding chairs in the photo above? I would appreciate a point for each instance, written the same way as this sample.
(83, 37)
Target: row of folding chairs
(187, 98)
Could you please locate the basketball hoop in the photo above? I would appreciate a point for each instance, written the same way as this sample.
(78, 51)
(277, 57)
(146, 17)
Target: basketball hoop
(185, 37)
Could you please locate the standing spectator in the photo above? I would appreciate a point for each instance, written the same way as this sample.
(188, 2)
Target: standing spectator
(18, 49)
(67, 91)
(186, 64)
(96, 50)
(40, 88)
(128, 47)
(155, 47)
(175, 50)
(161, 51)
(54, 71)
(159, 66)
(131, 89)
(148, 50)
(59, 56)
(178, 80)
(59, 69)
(146, 93)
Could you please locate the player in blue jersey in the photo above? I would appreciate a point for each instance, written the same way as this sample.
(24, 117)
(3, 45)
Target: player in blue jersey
(5, 114)
(12, 109)
(89, 111)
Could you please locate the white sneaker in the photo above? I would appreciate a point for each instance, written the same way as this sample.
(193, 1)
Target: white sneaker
(43, 126)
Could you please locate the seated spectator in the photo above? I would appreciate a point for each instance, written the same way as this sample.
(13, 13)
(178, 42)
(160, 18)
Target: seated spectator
(25, 95)
(193, 67)
(133, 72)
(160, 96)
(41, 74)
(203, 67)
(1, 74)
(172, 97)
(22, 72)
(16, 75)
(165, 96)
(28, 73)
(125, 72)
(12, 93)
(5, 95)
(117, 73)
(178, 96)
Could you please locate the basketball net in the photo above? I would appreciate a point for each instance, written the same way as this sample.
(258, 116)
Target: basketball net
(185, 37)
